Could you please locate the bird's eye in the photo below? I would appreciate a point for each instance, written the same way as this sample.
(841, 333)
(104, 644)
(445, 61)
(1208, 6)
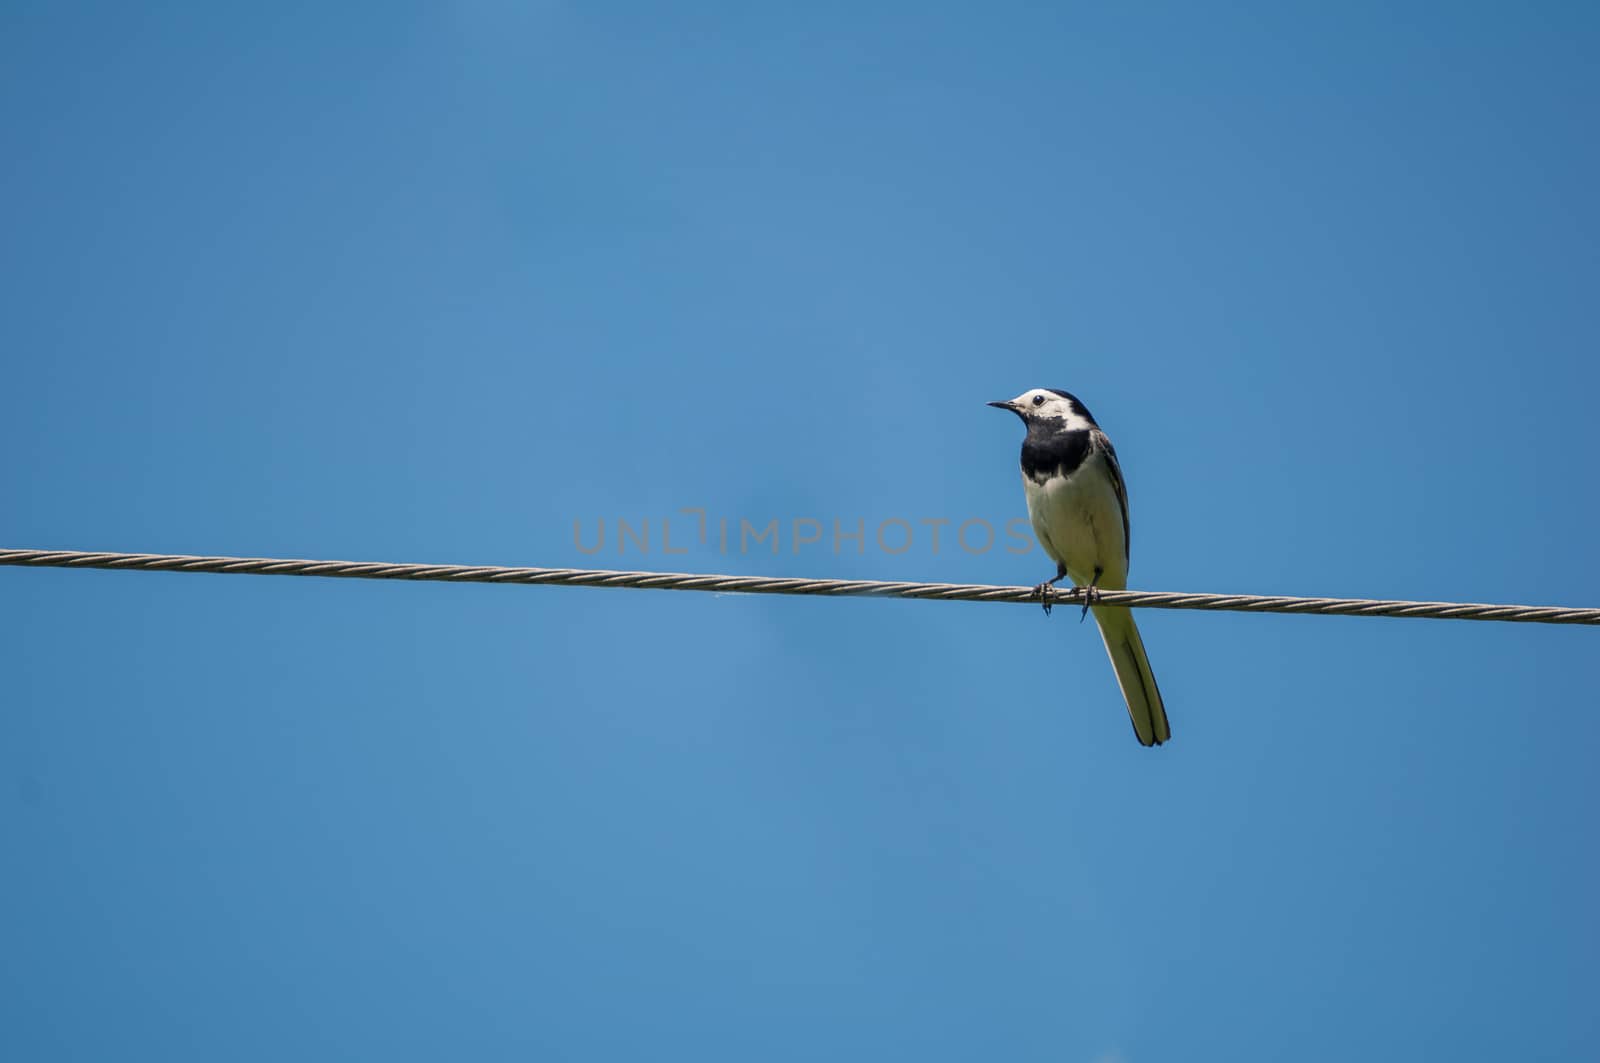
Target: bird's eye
(1038, 400)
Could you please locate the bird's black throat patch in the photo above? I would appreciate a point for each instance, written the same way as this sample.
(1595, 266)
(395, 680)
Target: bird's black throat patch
(1052, 449)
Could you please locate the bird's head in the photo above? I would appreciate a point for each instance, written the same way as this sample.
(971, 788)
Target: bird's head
(1047, 404)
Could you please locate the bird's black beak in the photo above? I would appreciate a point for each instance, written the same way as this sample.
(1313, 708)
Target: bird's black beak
(1004, 405)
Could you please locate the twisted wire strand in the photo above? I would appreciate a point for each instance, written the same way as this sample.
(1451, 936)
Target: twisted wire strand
(683, 581)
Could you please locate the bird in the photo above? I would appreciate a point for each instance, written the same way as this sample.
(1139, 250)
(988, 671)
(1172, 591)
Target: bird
(1078, 506)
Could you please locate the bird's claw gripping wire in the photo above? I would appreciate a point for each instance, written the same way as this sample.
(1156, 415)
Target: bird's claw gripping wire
(1046, 592)
(1091, 593)
(1047, 595)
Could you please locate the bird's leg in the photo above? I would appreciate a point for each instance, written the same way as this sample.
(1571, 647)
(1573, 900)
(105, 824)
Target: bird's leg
(1091, 593)
(1046, 591)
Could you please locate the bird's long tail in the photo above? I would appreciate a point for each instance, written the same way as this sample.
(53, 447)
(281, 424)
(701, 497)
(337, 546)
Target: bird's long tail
(1126, 650)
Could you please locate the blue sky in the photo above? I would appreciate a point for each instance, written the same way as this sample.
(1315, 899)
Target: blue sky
(435, 282)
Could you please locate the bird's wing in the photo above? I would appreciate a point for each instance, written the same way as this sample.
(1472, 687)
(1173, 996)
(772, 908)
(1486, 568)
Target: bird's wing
(1102, 443)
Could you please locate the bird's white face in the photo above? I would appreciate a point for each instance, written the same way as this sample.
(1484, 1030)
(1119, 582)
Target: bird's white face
(1042, 404)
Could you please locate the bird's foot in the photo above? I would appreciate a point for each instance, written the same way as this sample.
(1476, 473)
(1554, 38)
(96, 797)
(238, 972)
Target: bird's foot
(1091, 595)
(1046, 592)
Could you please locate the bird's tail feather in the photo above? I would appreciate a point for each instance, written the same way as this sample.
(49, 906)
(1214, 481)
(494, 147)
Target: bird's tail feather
(1138, 683)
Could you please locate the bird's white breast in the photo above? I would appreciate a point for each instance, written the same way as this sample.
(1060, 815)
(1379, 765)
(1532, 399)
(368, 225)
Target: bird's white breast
(1077, 518)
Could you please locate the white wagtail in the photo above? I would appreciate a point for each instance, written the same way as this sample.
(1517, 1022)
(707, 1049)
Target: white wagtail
(1079, 508)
